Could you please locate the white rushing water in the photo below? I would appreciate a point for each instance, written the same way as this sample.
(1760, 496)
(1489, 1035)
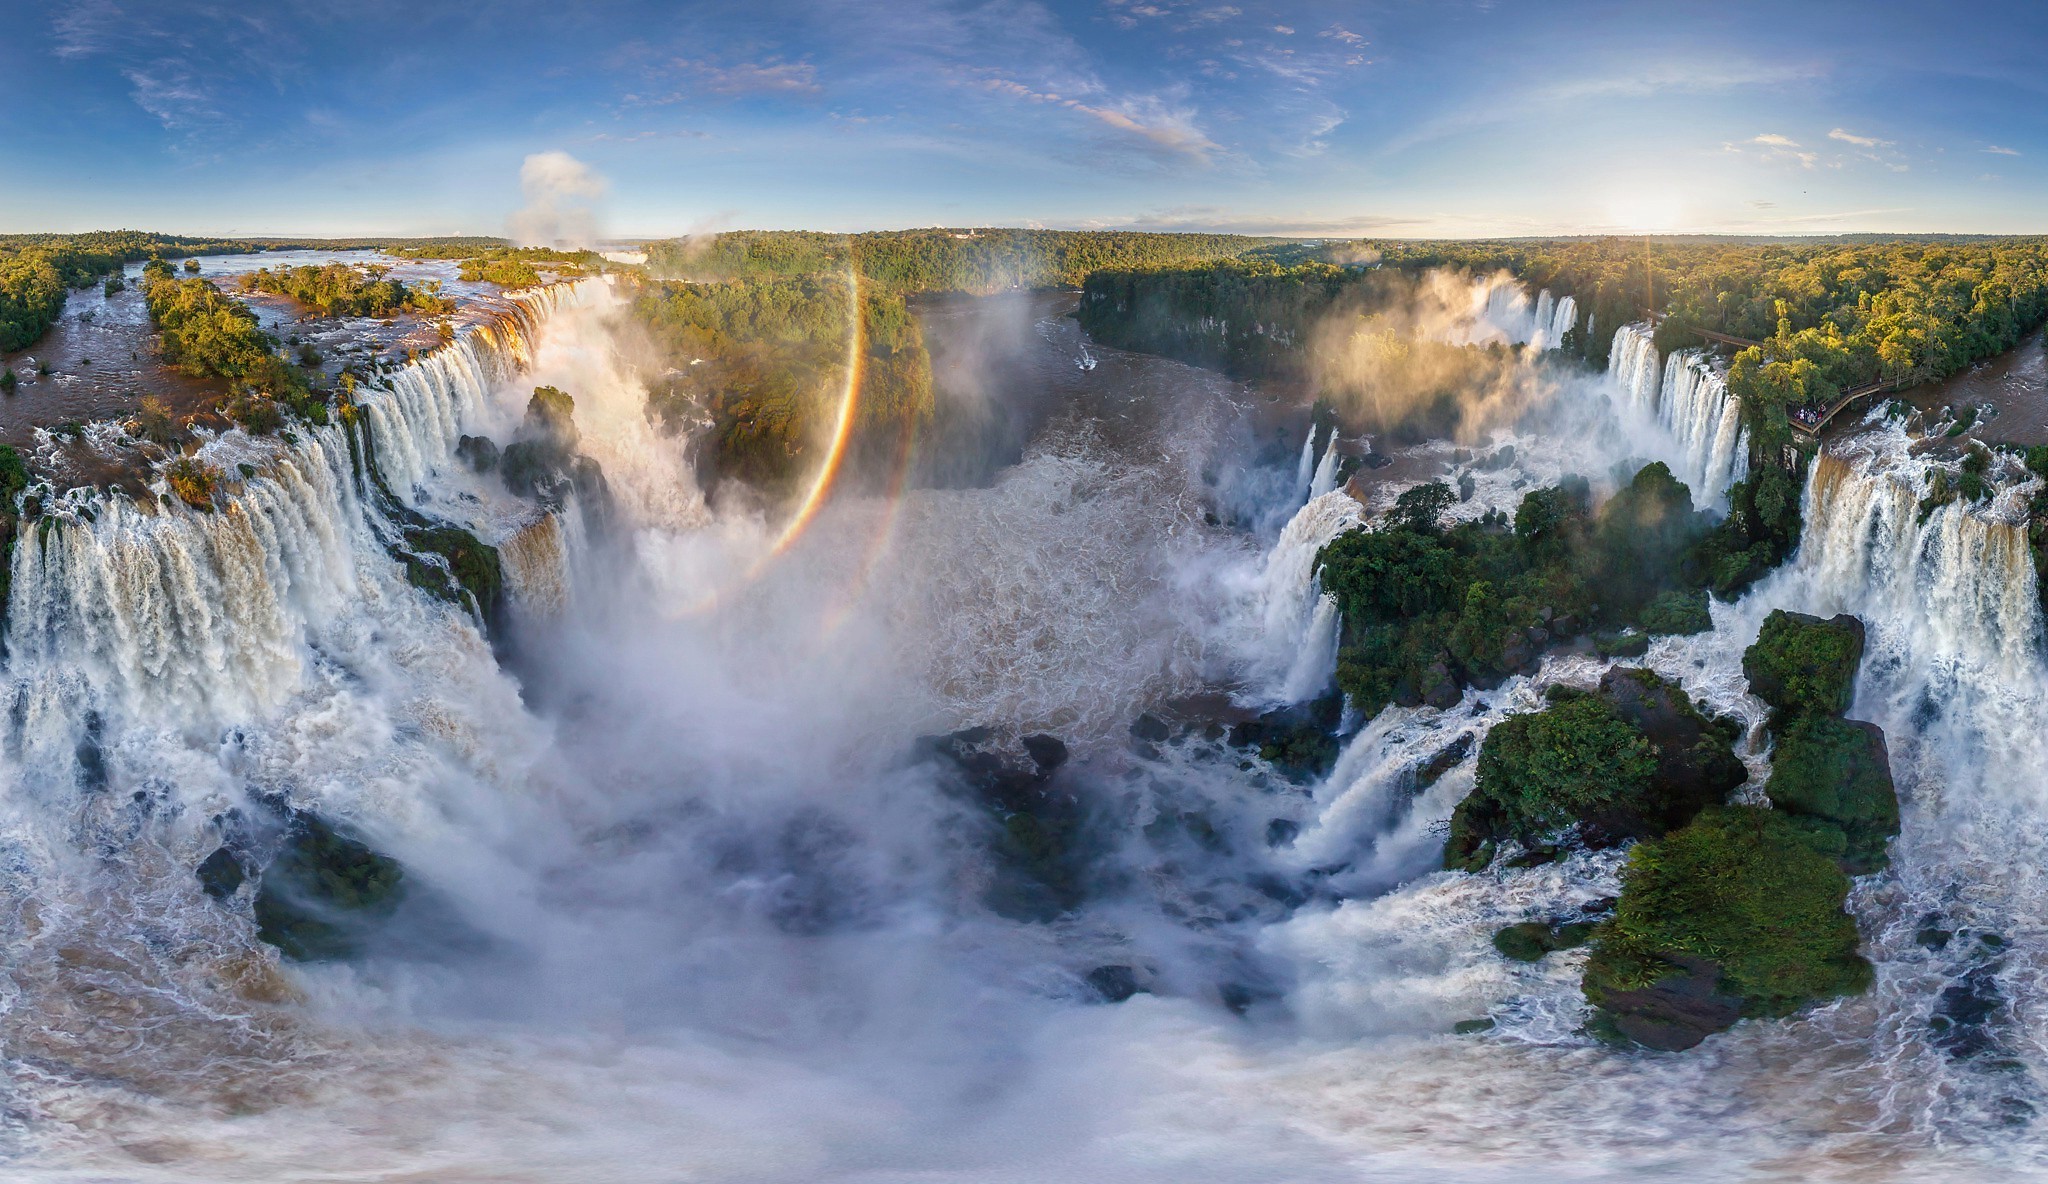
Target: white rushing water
(697, 912)
(1687, 399)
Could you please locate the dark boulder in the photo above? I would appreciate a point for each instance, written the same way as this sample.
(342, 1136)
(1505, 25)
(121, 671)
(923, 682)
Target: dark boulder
(480, 453)
(1804, 665)
(1529, 941)
(1034, 825)
(1442, 761)
(1696, 761)
(1674, 1013)
(1114, 983)
(1300, 740)
(315, 899)
(1837, 774)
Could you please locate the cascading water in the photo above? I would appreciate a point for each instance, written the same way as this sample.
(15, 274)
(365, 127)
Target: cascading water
(1325, 478)
(1297, 619)
(798, 979)
(1689, 401)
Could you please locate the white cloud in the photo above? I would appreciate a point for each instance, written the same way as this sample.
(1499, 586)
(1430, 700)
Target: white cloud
(1848, 137)
(1997, 150)
(561, 196)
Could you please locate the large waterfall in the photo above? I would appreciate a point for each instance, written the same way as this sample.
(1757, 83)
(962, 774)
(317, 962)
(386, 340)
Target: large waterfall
(693, 898)
(1687, 400)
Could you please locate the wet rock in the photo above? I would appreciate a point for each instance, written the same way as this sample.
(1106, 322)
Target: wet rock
(316, 897)
(1499, 459)
(1114, 983)
(1300, 741)
(1281, 831)
(1471, 1027)
(1034, 833)
(1962, 1020)
(221, 873)
(480, 453)
(1047, 752)
(1151, 728)
(1529, 941)
(1565, 626)
(1467, 486)
(1803, 665)
(1673, 1014)
(1444, 760)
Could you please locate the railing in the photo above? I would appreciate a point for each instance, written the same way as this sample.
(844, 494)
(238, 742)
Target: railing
(1841, 401)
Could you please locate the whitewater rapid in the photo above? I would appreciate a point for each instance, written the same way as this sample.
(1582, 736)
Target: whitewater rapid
(714, 922)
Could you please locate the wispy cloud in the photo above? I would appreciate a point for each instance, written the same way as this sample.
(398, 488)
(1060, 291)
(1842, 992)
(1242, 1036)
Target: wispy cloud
(1871, 148)
(2001, 151)
(1156, 124)
(1772, 147)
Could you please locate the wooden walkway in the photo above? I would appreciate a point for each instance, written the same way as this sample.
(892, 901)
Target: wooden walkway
(1725, 339)
(1841, 403)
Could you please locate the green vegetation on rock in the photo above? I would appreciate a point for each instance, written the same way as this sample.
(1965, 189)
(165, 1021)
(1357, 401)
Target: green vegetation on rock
(1836, 774)
(323, 885)
(1546, 770)
(1805, 665)
(1740, 895)
(338, 289)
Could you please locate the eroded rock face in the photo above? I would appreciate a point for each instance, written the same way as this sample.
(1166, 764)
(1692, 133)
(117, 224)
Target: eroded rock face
(1678, 1011)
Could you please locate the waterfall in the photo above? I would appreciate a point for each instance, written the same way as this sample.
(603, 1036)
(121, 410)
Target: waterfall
(1540, 321)
(168, 607)
(536, 559)
(1325, 478)
(1305, 468)
(424, 407)
(1689, 401)
(1705, 421)
(1297, 619)
(1632, 368)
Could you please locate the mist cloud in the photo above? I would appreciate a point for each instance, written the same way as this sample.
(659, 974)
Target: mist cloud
(561, 202)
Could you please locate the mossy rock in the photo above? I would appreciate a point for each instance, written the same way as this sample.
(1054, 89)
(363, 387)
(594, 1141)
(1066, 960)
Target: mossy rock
(1734, 915)
(1696, 762)
(1804, 665)
(1300, 740)
(470, 574)
(314, 898)
(1529, 941)
(1622, 645)
(1543, 771)
(1837, 772)
(1680, 612)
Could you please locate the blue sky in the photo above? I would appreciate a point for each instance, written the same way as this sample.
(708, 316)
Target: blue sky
(1396, 119)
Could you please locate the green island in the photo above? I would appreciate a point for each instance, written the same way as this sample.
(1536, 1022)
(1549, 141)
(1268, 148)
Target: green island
(337, 289)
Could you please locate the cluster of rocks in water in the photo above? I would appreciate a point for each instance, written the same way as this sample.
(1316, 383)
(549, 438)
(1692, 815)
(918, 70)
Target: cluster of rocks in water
(315, 891)
(1727, 909)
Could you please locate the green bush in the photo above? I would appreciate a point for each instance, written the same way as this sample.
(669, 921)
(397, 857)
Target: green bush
(1804, 665)
(1740, 888)
(1682, 611)
(1837, 773)
(1543, 771)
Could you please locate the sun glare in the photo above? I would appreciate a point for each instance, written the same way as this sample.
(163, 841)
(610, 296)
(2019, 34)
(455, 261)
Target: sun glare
(1641, 211)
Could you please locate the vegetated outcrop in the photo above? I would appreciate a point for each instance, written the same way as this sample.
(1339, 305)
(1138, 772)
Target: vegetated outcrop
(1739, 913)
(318, 890)
(1429, 610)
(439, 557)
(1733, 915)
(1299, 740)
(1634, 760)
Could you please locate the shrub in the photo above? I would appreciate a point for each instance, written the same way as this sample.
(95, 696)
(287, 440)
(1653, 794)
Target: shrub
(193, 480)
(1681, 611)
(1804, 665)
(1740, 888)
(1545, 770)
(1837, 775)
